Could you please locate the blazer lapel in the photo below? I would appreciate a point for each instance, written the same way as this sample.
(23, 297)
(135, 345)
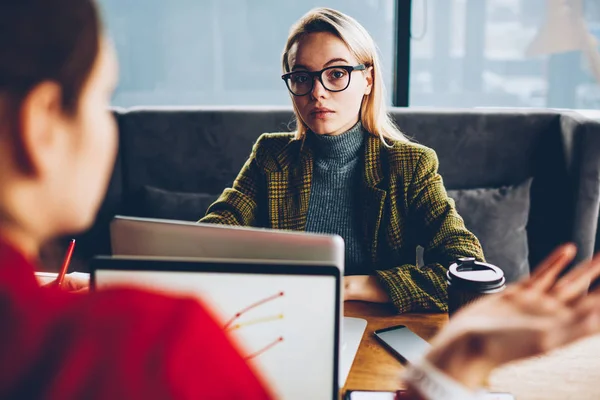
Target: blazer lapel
(289, 187)
(374, 197)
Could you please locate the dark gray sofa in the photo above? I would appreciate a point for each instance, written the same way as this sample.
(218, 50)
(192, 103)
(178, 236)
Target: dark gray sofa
(174, 161)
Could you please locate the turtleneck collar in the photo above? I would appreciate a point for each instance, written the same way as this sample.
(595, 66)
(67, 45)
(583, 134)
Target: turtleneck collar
(342, 148)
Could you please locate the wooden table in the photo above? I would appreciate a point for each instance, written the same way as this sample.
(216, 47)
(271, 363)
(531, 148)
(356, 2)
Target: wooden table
(570, 373)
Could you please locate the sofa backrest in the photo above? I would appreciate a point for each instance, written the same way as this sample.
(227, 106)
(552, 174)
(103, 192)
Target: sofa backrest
(487, 148)
(201, 150)
(191, 150)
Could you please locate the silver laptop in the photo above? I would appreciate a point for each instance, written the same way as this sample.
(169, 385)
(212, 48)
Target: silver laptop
(158, 237)
(262, 305)
(131, 236)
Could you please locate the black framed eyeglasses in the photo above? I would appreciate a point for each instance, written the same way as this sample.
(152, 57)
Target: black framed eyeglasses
(334, 79)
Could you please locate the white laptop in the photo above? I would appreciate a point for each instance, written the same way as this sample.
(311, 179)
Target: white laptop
(263, 305)
(131, 236)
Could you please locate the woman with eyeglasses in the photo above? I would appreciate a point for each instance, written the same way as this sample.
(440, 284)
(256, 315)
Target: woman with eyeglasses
(348, 170)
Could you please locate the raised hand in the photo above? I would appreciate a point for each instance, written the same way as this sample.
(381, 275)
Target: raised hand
(531, 317)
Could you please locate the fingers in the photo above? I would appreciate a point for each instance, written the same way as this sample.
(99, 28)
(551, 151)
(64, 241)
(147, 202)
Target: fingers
(576, 283)
(547, 272)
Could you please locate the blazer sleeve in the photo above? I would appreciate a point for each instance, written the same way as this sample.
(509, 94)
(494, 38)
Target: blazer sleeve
(241, 204)
(441, 231)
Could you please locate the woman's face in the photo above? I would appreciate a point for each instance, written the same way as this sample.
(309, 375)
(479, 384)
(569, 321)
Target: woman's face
(89, 150)
(325, 112)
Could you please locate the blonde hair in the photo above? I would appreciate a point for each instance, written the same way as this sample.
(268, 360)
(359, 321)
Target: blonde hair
(373, 110)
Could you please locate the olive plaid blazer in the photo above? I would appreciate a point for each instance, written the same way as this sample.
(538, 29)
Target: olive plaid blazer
(404, 205)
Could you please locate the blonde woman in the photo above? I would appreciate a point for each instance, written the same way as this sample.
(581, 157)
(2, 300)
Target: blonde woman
(348, 170)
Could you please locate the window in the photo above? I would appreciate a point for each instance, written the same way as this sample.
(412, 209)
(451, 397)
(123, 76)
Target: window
(219, 52)
(467, 53)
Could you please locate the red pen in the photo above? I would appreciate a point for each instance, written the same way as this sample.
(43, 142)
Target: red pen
(65, 264)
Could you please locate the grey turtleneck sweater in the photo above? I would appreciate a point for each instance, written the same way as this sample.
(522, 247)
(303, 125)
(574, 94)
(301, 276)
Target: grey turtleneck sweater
(333, 206)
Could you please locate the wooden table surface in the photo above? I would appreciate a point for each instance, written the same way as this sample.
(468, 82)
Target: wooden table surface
(570, 373)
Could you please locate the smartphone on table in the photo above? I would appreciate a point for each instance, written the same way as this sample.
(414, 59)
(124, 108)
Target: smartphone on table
(403, 343)
(409, 347)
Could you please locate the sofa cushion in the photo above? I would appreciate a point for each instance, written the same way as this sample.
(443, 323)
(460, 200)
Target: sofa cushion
(164, 204)
(491, 148)
(498, 217)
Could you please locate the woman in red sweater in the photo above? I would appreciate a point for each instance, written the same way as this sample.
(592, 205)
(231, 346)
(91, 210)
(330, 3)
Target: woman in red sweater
(58, 142)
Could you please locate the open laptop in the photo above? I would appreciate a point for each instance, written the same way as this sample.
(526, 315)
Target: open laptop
(263, 305)
(131, 236)
(158, 237)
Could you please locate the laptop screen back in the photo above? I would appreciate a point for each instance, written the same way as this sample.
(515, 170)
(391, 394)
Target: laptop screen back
(285, 318)
(131, 236)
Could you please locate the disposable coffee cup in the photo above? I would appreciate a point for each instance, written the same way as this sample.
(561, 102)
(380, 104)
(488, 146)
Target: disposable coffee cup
(469, 280)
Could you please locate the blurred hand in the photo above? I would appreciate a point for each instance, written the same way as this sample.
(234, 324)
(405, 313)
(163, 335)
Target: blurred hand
(529, 318)
(78, 282)
(364, 288)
